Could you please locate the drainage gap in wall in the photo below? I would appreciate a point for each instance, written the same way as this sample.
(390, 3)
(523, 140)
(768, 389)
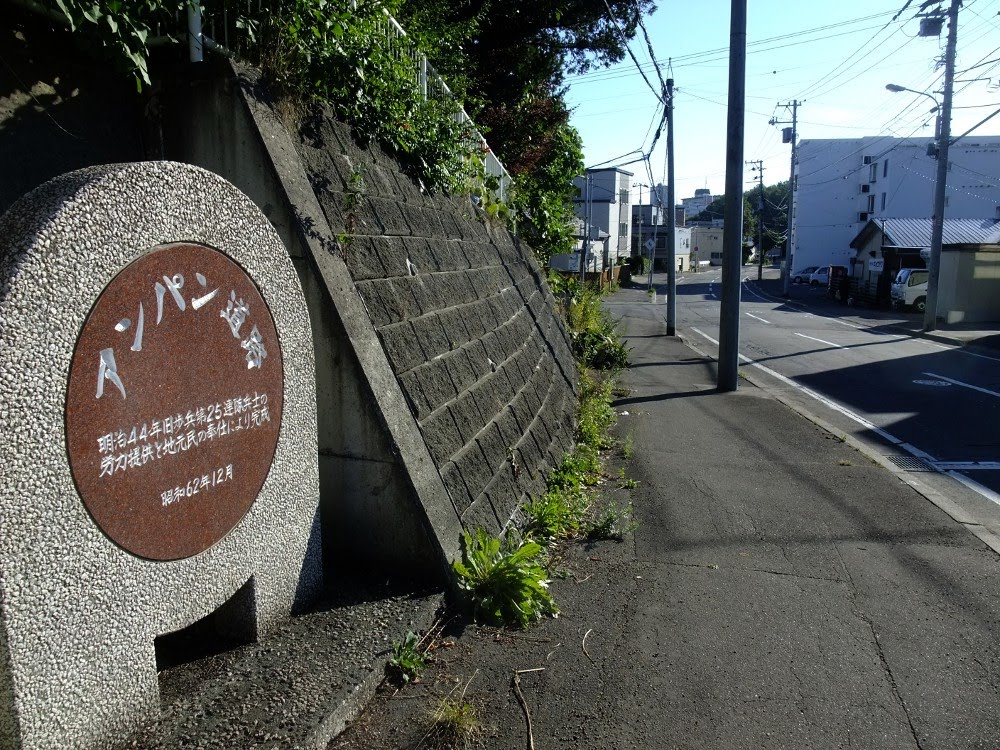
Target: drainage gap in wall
(232, 625)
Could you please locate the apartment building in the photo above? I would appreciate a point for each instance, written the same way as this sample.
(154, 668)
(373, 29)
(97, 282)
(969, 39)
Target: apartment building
(842, 183)
(604, 195)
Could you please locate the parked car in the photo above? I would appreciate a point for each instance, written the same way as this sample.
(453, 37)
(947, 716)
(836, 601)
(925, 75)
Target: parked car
(820, 276)
(802, 276)
(909, 289)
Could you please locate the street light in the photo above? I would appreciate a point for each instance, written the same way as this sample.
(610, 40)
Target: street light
(896, 88)
(942, 134)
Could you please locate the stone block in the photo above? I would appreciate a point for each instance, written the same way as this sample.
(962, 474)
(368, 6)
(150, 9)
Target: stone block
(402, 346)
(363, 259)
(475, 469)
(431, 335)
(442, 436)
(436, 385)
(455, 484)
(460, 369)
(391, 253)
(480, 515)
(467, 416)
(390, 216)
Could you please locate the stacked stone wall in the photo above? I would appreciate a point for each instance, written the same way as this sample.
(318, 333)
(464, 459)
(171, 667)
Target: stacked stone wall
(466, 319)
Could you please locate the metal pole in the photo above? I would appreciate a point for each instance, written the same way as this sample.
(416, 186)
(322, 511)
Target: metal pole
(195, 48)
(671, 219)
(732, 236)
(652, 250)
(760, 222)
(789, 247)
(940, 185)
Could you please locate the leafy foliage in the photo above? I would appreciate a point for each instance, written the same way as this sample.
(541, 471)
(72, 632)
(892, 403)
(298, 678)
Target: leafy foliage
(407, 662)
(596, 413)
(120, 29)
(596, 343)
(504, 580)
(329, 53)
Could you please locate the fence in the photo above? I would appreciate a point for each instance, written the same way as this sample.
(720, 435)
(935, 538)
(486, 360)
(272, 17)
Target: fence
(218, 24)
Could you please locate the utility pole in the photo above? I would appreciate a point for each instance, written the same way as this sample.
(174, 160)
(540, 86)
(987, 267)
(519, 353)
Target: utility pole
(732, 237)
(671, 219)
(638, 246)
(940, 185)
(759, 169)
(789, 135)
(586, 234)
(652, 250)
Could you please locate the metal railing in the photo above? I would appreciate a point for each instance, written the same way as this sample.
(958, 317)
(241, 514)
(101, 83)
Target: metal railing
(220, 21)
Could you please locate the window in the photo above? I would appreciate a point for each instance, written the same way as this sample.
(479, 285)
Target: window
(623, 196)
(862, 216)
(883, 201)
(871, 203)
(622, 229)
(885, 168)
(873, 172)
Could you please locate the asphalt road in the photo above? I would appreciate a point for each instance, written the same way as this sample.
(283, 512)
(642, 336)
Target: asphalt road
(936, 403)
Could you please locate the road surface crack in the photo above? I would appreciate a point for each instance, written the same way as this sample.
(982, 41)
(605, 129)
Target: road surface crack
(892, 681)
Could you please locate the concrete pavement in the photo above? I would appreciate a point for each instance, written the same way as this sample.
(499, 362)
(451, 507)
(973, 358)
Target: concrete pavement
(780, 591)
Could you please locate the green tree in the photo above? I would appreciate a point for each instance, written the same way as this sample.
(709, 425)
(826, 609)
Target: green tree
(717, 210)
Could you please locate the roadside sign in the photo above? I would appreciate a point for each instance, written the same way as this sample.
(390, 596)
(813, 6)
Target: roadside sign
(650, 244)
(876, 264)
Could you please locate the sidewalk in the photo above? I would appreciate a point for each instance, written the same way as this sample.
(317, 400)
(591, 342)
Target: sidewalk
(781, 591)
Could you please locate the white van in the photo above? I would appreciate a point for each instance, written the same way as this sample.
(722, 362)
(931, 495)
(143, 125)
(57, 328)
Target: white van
(910, 289)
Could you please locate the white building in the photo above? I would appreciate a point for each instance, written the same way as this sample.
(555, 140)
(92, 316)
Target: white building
(604, 195)
(693, 206)
(841, 184)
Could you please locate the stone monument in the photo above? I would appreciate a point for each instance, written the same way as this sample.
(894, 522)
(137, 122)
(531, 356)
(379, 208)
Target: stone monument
(158, 452)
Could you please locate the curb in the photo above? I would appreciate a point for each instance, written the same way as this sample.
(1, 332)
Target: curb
(945, 504)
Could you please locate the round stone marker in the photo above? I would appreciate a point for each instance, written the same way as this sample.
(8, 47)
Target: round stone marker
(174, 402)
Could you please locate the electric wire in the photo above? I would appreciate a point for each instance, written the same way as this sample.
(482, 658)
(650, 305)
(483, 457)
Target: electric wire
(625, 42)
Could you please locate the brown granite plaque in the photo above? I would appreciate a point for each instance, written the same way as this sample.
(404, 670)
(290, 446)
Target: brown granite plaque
(174, 402)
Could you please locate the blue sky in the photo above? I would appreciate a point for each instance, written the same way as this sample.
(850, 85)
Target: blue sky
(835, 58)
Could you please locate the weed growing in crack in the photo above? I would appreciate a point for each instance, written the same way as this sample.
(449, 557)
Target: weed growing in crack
(504, 580)
(626, 482)
(407, 661)
(628, 447)
(614, 523)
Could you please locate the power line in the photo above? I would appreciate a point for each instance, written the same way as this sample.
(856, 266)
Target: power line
(621, 33)
(721, 53)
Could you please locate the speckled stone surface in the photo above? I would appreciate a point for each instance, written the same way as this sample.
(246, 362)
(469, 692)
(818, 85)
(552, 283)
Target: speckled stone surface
(297, 688)
(79, 615)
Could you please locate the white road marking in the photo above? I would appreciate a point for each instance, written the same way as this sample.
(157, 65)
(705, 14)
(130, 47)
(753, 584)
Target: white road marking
(758, 318)
(917, 453)
(979, 489)
(754, 291)
(946, 466)
(844, 322)
(813, 338)
(987, 391)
